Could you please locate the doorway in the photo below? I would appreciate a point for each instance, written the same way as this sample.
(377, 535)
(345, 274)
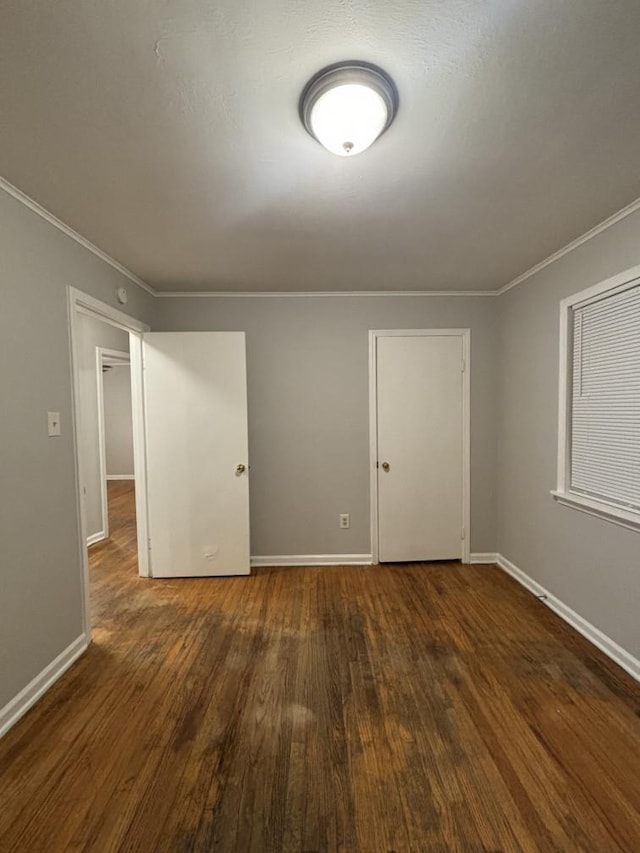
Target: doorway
(190, 446)
(121, 333)
(115, 436)
(419, 444)
(105, 428)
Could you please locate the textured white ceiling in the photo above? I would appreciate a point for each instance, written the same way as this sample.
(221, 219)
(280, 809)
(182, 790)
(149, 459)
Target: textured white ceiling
(167, 133)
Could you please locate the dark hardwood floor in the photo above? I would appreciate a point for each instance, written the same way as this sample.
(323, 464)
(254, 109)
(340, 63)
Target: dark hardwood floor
(428, 707)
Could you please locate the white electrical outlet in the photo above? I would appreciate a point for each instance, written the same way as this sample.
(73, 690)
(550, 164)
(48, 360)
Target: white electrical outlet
(53, 423)
(345, 520)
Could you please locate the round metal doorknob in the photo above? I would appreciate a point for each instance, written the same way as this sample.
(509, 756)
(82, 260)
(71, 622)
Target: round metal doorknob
(385, 466)
(240, 469)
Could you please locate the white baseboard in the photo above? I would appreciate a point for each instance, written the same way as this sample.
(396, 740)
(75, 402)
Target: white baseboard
(483, 558)
(20, 704)
(314, 560)
(95, 537)
(121, 476)
(617, 654)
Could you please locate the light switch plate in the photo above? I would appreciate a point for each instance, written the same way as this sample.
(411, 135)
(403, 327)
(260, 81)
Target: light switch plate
(53, 423)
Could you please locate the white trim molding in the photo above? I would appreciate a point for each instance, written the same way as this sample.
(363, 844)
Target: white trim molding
(96, 537)
(23, 198)
(574, 244)
(297, 294)
(313, 560)
(483, 559)
(79, 303)
(600, 508)
(82, 303)
(599, 639)
(28, 696)
(120, 477)
(465, 335)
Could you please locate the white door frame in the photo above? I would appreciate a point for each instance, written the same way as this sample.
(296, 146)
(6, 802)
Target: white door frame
(465, 335)
(118, 359)
(79, 303)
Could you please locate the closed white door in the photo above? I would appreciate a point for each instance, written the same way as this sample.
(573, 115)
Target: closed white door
(420, 447)
(197, 453)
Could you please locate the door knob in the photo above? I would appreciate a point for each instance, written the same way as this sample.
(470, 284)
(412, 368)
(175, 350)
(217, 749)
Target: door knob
(385, 466)
(240, 469)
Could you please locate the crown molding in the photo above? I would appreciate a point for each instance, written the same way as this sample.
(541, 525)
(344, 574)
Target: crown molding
(69, 232)
(584, 238)
(297, 294)
(24, 199)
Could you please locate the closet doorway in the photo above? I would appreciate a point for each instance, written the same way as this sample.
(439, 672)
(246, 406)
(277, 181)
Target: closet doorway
(419, 444)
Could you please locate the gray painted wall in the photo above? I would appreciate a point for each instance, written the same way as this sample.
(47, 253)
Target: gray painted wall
(40, 594)
(308, 398)
(307, 365)
(93, 334)
(118, 425)
(590, 564)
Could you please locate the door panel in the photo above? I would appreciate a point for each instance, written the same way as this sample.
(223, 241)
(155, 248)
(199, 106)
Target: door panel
(420, 435)
(196, 425)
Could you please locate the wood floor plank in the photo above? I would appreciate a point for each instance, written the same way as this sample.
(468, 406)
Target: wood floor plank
(424, 707)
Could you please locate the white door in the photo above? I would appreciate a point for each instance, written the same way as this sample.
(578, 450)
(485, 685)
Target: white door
(197, 453)
(420, 447)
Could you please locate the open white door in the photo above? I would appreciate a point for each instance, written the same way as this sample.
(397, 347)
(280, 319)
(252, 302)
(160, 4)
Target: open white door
(420, 446)
(197, 453)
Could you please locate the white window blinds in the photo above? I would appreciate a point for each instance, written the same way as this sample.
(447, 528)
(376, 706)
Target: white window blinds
(605, 410)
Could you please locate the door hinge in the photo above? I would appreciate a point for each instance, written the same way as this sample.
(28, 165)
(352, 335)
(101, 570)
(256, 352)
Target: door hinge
(462, 533)
(377, 464)
(464, 365)
(149, 544)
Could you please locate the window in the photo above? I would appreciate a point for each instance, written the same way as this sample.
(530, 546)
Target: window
(599, 440)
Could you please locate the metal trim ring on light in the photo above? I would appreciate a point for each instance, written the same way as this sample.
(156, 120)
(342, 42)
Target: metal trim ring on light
(341, 73)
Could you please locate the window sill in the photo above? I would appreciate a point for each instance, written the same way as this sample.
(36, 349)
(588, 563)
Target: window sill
(609, 512)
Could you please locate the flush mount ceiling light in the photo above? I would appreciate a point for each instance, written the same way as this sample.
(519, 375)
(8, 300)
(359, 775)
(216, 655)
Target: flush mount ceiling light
(347, 106)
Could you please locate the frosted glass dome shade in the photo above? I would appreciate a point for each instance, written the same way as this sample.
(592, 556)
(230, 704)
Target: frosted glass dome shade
(346, 107)
(348, 118)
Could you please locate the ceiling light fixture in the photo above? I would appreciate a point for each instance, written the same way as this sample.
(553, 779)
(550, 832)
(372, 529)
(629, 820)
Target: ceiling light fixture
(347, 106)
